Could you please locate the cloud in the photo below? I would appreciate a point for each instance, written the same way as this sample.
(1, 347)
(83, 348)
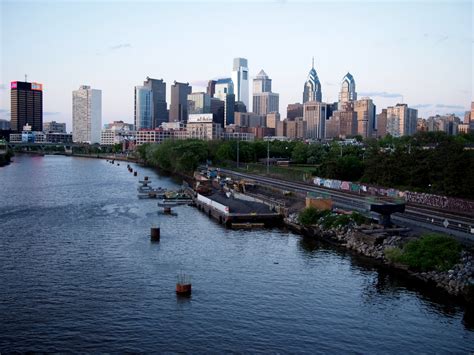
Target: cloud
(441, 39)
(120, 46)
(327, 83)
(3, 87)
(422, 106)
(380, 94)
(50, 113)
(455, 107)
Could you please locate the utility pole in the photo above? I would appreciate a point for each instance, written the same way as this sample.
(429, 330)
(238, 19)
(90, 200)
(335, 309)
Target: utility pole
(238, 152)
(268, 156)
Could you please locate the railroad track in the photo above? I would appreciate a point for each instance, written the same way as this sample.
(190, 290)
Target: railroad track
(448, 222)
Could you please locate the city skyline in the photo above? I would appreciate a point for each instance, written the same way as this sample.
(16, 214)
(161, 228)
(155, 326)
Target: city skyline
(439, 41)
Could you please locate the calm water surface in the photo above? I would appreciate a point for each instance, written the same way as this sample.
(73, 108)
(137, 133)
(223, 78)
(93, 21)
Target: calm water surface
(78, 273)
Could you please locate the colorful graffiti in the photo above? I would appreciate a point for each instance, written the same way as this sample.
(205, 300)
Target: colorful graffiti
(444, 202)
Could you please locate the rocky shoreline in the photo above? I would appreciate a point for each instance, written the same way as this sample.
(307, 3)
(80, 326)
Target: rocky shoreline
(458, 281)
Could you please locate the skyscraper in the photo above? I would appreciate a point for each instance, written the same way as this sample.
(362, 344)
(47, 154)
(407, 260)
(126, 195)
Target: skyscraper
(26, 105)
(160, 112)
(240, 80)
(365, 110)
(348, 90)
(86, 115)
(401, 120)
(315, 115)
(294, 110)
(211, 87)
(264, 100)
(143, 108)
(218, 110)
(199, 102)
(179, 102)
(382, 123)
(225, 92)
(312, 87)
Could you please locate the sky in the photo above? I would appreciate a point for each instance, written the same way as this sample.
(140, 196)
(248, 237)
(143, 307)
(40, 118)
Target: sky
(419, 53)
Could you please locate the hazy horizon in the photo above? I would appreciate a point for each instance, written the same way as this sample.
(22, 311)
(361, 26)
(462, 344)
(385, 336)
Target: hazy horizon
(420, 52)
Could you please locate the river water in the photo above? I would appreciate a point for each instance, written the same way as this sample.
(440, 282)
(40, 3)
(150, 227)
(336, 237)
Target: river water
(78, 273)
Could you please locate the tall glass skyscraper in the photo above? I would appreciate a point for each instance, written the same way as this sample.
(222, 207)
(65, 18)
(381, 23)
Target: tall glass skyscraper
(312, 87)
(224, 90)
(160, 111)
(240, 73)
(143, 108)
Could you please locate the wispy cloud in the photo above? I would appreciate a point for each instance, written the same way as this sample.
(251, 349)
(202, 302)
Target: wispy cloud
(422, 106)
(50, 113)
(441, 39)
(120, 46)
(327, 83)
(440, 109)
(453, 107)
(381, 94)
(113, 48)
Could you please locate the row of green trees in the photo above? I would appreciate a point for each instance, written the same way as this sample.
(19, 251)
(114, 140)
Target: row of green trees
(429, 162)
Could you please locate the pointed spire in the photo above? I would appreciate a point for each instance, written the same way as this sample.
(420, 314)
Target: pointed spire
(312, 66)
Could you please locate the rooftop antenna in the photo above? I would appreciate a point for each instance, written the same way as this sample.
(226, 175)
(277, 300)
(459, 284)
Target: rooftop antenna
(26, 76)
(313, 63)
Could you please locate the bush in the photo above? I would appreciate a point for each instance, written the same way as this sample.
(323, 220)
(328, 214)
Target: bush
(430, 252)
(311, 215)
(359, 218)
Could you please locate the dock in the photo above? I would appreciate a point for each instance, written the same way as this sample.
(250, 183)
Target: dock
(235, 212)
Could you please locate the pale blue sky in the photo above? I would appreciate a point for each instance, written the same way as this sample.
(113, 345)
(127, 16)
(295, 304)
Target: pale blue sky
(420, 50)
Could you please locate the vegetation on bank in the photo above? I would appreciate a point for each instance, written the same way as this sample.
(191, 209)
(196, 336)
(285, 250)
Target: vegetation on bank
(5, 158)
(426, 162)
(430, 252)
(327, 219)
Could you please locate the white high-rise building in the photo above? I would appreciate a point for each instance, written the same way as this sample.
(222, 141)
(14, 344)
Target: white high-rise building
(401, 120)
(240, 78)
(86, 115)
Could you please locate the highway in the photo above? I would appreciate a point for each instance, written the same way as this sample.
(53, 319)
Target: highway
(415, 217)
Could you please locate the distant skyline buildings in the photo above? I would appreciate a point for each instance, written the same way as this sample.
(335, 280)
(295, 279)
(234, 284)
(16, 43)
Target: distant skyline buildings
(439, 41)
(86, 115)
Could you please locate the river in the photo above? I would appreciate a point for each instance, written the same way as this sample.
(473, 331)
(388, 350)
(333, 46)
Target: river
(78, 273)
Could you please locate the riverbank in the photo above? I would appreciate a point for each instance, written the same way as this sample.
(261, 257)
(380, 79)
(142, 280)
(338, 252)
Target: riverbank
(372, 242)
